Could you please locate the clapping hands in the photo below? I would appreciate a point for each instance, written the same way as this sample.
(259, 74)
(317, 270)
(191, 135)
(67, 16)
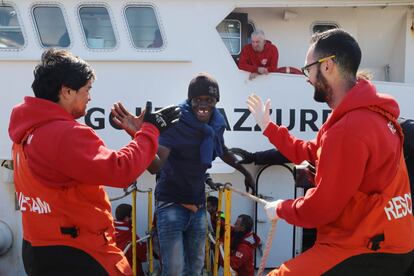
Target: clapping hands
(125, 120)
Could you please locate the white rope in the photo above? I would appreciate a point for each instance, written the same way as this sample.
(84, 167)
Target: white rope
(232, 272)
(211, 238)
(130, 243)
(252, 197)
(271, 233)
(267, 249)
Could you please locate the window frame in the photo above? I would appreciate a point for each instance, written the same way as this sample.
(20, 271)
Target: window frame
(323, 23)
(113, 24)
(35, 27)
(159, 23)
(21, 25)
(240, 36)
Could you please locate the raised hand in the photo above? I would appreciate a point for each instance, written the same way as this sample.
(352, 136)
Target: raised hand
(125, 120)
(259, 111)
(163, 118)
(213, 185)
(246, 156)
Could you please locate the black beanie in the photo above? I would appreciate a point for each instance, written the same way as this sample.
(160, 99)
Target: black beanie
(203, 85)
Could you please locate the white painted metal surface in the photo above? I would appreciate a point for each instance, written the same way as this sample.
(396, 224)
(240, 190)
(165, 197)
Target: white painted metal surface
(191, 45)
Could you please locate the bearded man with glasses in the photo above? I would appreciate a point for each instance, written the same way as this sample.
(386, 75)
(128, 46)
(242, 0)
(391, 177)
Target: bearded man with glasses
(361, 203)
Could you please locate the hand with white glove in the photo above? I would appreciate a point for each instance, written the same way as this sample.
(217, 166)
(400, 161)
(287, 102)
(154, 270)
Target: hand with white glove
(270, 209)
(259, 110)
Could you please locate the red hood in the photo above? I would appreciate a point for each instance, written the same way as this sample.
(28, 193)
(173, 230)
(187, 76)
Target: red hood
(251, 239)
(34, 112)
(362, 95)
(268, 43)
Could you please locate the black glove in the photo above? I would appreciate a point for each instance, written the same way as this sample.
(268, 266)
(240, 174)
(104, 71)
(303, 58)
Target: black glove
(163, 118)
(211, 183)
(304, 175)
(246, 157)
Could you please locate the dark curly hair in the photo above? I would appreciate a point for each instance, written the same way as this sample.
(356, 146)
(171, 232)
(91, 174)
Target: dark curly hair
(59, 68)
(122, 211)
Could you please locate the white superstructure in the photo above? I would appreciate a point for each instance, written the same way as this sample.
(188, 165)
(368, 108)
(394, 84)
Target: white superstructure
(115, 37)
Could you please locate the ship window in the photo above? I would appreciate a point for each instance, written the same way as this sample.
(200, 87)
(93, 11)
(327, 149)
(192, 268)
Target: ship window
(143, 27)
(97, 27)
(230, 32)
(11, 36)
(51, 26)
(321, 27)
(250, 29)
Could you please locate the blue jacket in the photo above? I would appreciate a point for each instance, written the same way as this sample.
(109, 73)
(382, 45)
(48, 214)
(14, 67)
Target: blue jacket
(193, 146)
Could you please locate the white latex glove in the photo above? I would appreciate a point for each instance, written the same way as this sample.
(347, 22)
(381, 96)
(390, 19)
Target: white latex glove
(259, 111)
(270, 209)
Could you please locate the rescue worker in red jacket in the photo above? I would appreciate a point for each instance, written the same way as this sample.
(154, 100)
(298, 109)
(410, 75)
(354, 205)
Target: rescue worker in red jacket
(61, 165)
(243, 244)
(123, 236)
(361, 204)
(260, 57)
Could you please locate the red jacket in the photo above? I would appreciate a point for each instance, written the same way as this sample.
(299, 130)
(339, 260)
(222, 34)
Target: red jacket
(242, 258)
(123, 237)
(364, 161)
(60, 167)
(250, 60)
(65, 153)
(361, 202)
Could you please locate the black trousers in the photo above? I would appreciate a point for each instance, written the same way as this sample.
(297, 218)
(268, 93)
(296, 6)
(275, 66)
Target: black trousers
(59, 261)
(375, 264)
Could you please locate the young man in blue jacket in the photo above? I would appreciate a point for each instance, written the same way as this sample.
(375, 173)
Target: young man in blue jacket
(185, 153)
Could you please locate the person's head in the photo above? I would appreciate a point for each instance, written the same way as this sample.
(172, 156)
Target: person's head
(64, 79)
(258, 40)
(123, 212)
(244, 224)
(212, 204)
(203, 95)
(332, 59)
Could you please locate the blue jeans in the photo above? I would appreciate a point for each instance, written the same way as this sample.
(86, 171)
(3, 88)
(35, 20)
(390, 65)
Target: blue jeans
(182, 237)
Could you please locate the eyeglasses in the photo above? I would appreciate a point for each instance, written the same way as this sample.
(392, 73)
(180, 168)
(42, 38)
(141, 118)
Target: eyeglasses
(305, 69)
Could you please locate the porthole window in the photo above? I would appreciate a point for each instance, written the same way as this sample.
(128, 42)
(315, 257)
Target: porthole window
(230, 33)
(11, 36)
(97, 27)
(321, 27)
(51, 26)
(143, 27)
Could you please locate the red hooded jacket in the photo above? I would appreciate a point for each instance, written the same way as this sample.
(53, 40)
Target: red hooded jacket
(65, 153)
(60, 166)
(242, 257)
(123, 237)
(361, 202)
(348, 154)
(250, 60)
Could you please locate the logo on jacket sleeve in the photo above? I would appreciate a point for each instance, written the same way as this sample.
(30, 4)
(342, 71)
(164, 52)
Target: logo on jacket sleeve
(34, 205)
(392, 127)
(399, 207)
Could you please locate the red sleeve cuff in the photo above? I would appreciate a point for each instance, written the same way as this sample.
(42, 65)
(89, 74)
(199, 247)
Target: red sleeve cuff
(270, 129)
(279, 211)
(147, 127)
